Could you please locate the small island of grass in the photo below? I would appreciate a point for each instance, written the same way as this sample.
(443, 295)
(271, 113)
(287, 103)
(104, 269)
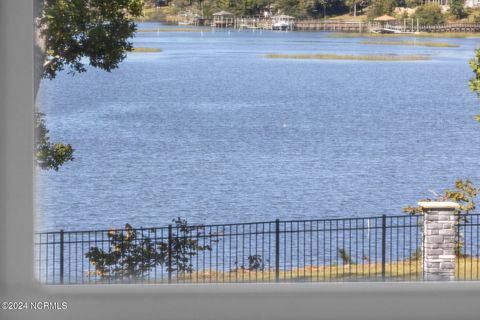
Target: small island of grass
(406, 35)
(413, 43)
(175, 30)
(331, 56)
(147, 50)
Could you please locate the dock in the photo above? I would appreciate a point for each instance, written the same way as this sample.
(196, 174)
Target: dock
(225, 19)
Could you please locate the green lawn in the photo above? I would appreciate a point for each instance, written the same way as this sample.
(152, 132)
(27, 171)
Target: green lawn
(405, 270)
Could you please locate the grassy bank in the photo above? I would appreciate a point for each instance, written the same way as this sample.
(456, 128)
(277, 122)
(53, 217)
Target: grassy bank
(349, 17)
(407, 35)
(350, 57)
(413, 43)
(175, 30)
(147, 50)
(406, 270)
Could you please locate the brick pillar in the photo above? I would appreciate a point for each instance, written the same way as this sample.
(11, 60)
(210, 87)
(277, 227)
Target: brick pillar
(439, 240)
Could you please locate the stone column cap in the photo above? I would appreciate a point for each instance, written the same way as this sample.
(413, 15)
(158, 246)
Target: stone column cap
(441, 205)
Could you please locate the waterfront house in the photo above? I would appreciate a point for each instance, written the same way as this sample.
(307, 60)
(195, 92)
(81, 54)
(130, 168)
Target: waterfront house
(445, 4)
(472, 3)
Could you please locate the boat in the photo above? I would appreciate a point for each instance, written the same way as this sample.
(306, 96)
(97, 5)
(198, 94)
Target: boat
(282, 22)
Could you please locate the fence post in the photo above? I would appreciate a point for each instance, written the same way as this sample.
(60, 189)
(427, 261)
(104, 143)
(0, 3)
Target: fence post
(277, 250)
(169, 261)
(439, 238)
(62, 256)
(384, 244)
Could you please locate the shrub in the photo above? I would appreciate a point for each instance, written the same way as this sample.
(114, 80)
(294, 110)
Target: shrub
(380, 7)
(255, 263)
(429, 15)
(345, 256)
(457, 9)
(474, 16)
(131, 255)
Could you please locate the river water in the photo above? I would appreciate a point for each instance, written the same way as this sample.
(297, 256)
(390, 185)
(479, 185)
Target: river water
(212, 131)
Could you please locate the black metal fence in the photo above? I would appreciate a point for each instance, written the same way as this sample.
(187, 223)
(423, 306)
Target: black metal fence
(468, 250)
(349, 249)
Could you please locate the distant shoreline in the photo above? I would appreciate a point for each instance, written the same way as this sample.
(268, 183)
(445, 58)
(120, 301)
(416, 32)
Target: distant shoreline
(331, 34)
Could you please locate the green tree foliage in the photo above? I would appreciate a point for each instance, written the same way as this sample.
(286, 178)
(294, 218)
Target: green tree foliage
(94, 29)
(381, 7)
(128, 256)
(255, 263)
(429, 14)
(413, 3)
(132, 253)
(457, 9)
(69, 31)
(290, 7)
(244, 7)
(474, 16)
(475, 82)
(345, 256)
(296, 8)
(185, 245)
(464, 194)
(355, 6)
(49, 155)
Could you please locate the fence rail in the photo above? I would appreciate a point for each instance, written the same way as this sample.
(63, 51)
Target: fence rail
(468, 248)
(348, 249)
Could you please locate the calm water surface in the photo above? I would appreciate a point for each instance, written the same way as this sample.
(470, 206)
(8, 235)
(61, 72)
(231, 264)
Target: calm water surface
(212, 131)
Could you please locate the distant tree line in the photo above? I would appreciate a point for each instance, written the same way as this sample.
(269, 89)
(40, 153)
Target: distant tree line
(296, 8)
(428, 13)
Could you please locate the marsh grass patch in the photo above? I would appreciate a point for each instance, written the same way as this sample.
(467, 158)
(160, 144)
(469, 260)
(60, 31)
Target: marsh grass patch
(330, 56)
(406, 35)
(174, 30)
(147, 50)
(412, 43)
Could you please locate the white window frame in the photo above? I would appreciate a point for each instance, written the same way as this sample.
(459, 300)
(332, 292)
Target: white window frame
(228, 301)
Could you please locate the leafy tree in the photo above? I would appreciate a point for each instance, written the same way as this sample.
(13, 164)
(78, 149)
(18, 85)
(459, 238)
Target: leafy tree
(185, 245)
(255, 263)
(474, 16)
(381, 7)
(289, 7)
(413, 3)
(297, 8)
(430, 14)
(98, 30)
(68, 31)
(475, 82)
(356, 5)
(457, 9)
(49, 155)
(132, 254)
(128, 256)
(324, 4)
(335, 7)
(464, 194)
